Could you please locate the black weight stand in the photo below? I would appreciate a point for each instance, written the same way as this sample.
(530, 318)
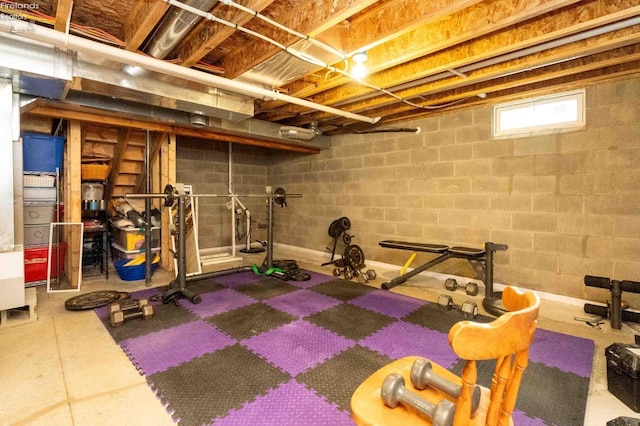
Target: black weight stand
(178, 287)
(338, 229)
(616, 288)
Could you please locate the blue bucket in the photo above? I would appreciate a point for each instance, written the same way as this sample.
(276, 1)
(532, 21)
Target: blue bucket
(134, 272)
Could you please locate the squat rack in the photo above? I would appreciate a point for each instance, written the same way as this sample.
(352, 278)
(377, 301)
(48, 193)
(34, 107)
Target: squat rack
(178, 287)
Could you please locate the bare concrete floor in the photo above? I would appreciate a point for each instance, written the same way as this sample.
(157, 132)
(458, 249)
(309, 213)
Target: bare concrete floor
(63, 368)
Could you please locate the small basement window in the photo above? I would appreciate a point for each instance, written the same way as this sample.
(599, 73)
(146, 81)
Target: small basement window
(558, 113)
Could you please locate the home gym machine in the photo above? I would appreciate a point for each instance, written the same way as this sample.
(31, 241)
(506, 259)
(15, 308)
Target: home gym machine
(352, 260)
(178, 287)
(481, 260)
(616, 310)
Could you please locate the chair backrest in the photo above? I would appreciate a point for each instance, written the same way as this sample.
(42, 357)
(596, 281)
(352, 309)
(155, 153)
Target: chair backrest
(507, 340)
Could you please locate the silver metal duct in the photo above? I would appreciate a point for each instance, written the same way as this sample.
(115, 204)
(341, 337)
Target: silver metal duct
(174, 26)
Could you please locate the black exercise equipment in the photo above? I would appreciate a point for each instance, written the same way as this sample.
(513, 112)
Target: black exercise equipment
(352, 259)
(469, 309)
(119, 312)
(178, 287)
(338, 231)
(615, 309)
(624, 421)
(470, 288)
(481, 260)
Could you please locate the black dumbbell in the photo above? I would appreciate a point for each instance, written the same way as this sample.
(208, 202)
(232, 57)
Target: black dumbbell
(422, 375)
(121, 311)
(394, 392)
(470, 288)
(469, 309)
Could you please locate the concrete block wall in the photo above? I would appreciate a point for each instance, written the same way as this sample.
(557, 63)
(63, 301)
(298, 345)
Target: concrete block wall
(566, 204)
(206, 167)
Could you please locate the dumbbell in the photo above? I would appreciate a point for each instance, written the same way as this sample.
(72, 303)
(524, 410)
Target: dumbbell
(471, 288)
(469, 309)
(394, 392)
(121, 311)
(367, 276)
(347, 272)
(422, 375)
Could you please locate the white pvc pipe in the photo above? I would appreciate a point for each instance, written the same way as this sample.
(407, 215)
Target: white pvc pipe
(308, 38)
(61, 40)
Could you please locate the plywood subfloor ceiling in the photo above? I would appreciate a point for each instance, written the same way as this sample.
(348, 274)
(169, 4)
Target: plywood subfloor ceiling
(424, 57)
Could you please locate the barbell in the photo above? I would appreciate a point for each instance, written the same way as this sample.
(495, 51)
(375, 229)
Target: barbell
(170, 194)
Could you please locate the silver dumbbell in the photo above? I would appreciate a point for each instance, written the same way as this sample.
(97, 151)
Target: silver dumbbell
(422, 375)
(394, 392)
(367, 276)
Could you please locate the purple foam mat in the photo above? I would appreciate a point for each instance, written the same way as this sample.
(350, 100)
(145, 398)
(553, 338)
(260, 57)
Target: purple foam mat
(302, 303)
(158, 351)
(567, 353)
(218, 302)
(402, 339)
(306, 346)
(294, 335)
(382, 301)
(290, 404)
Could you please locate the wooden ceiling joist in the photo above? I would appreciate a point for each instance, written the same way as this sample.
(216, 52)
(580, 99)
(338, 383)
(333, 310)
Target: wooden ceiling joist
(141, 21)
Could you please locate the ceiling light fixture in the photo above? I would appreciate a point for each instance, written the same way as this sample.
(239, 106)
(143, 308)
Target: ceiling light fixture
(359, 70)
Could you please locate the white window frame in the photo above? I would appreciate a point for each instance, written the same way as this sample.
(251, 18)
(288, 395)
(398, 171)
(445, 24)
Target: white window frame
(535, 129)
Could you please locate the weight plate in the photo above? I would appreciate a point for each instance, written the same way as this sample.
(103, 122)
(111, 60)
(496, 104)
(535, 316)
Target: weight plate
(171, 295)
(300, 276)
(169, 195)
(346, 238)
(334, 229)
(280, 196)
(286, 264)
(354, 256)
(92, 300)
(344, 223)
(124, 295)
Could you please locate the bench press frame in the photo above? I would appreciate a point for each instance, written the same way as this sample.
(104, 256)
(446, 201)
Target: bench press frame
(481, 260)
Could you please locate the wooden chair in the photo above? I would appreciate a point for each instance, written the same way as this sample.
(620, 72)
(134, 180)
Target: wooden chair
(506, 339)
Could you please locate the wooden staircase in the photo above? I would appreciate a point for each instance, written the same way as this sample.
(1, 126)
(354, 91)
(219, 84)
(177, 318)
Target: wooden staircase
(124, 150)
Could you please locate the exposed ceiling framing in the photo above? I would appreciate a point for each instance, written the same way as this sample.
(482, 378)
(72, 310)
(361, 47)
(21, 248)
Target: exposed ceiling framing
(424, 57)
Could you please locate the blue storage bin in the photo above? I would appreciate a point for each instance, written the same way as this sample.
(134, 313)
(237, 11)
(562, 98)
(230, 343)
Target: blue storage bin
(42, 153)
(134, 272)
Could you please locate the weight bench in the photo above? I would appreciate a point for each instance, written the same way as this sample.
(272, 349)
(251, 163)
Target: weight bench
(481, 260)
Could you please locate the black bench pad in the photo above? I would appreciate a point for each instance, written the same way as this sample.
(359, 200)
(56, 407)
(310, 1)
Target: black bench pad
(407, 245)
(467, 251)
